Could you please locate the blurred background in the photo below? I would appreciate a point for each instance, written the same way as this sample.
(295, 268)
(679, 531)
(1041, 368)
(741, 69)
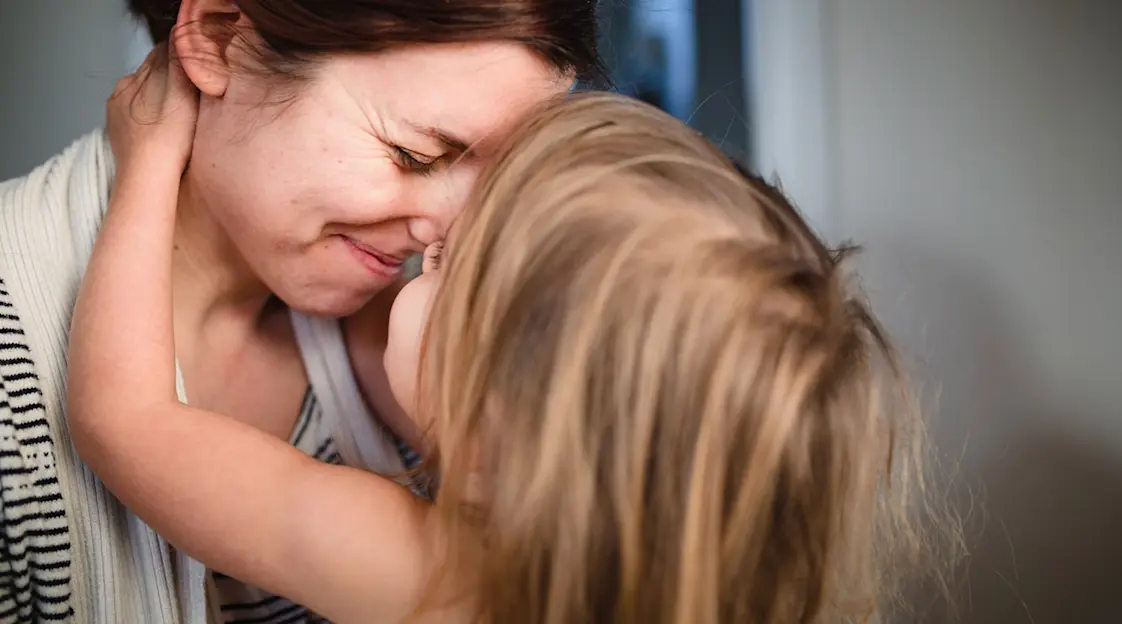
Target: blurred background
(973, 146)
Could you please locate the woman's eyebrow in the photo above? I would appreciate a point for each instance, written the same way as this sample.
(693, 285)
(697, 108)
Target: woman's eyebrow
(449, 139)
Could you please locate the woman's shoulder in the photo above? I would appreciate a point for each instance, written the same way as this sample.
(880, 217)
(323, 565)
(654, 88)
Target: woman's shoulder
(83, 170)
(49, 218)
(48, 222)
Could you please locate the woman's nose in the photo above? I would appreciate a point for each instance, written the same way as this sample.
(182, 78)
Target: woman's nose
(443, 205)
(427, 230)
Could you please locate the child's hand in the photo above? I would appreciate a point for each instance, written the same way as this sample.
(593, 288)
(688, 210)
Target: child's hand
(151, 115)
(432, 257)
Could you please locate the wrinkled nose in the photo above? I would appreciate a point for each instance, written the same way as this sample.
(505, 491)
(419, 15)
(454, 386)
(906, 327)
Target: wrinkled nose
(443, 205)
(427, 230)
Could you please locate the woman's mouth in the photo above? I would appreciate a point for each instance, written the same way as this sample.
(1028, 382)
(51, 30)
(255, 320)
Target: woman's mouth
(377, 262)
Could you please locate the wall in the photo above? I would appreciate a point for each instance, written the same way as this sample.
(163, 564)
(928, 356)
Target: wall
(975, 147)
(785, 91)
(62, 59)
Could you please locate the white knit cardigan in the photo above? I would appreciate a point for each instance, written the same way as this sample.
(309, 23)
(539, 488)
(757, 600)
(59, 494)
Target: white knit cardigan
(69, 551)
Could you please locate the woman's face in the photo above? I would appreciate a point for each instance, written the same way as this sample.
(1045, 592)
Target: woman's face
(324, 196)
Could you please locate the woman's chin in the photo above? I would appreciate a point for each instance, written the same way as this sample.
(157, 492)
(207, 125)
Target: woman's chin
(328, 304)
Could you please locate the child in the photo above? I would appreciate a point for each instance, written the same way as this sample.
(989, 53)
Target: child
(650, 393)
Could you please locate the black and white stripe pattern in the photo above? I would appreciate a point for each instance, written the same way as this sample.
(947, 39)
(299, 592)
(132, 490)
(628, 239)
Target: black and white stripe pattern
(242, 604)
(34, 535)
(266, 610)
(35, 547)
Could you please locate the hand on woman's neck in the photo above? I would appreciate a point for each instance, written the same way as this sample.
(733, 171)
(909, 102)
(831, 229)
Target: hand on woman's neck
(211, 282)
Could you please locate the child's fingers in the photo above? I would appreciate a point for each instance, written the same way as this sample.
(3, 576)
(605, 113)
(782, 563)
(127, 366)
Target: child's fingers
(151, 62)
(431, 259)
(123, 86)
(175, 69)
(143, 72)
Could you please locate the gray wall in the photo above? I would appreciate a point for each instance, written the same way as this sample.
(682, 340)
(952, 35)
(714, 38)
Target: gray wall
(61, 60)
(975, 146)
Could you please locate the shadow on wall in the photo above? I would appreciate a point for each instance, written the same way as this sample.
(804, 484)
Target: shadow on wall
(1051, 547)
(1042, 507)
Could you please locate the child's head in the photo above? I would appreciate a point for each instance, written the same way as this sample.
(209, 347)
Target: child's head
(653, 393)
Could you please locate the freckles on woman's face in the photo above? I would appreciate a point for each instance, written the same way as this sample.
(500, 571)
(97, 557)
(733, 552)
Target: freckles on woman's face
(368, 164)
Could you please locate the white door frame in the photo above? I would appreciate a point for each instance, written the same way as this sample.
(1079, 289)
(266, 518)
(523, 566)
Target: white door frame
(789, 88)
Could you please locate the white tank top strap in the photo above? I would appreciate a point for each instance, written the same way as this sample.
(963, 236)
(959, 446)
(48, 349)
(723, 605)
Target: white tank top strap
(358, 437)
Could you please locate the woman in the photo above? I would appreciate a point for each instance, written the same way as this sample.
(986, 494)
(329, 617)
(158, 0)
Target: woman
(334, 139)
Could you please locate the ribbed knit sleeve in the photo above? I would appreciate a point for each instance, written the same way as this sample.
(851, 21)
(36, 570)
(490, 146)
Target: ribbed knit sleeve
(68, 550)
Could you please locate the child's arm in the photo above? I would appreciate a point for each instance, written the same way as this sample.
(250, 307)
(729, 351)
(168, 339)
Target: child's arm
(345, 543)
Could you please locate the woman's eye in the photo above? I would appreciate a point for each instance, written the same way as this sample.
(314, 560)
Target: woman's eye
(415, 162)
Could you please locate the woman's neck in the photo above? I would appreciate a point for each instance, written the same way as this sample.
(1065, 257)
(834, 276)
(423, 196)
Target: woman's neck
(211, 282)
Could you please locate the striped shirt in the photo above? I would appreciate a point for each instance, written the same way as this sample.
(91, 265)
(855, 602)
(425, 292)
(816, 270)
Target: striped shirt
(69, 550)
(243, 604)
(35, 539)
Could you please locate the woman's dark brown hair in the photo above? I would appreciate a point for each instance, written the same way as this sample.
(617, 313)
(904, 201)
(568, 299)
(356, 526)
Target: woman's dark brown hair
(294, 33)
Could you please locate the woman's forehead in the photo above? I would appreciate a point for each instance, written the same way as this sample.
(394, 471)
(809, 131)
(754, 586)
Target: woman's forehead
(455, 94)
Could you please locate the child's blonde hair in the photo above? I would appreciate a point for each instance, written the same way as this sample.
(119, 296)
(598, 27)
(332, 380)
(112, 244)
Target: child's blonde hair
(656, 396)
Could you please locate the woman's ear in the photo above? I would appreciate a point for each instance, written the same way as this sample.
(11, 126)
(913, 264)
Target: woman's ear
(202, 37)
